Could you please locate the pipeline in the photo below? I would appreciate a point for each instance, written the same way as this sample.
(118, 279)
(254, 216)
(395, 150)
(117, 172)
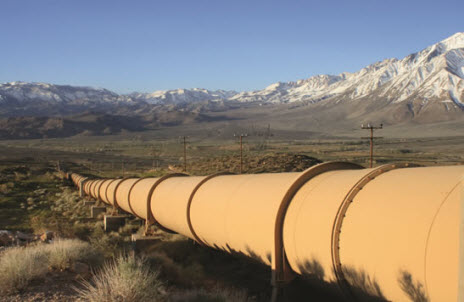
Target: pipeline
(394, 231)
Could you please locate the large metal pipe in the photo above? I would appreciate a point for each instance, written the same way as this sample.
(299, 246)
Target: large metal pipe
(138, 198)
(169, 203)
(122, 194)
(91, 187)
(98, 189)
(411, 231)
(111, 191)
(103, 190)
(94, 192)
(237, 212)
(88, 185)
(394, 231)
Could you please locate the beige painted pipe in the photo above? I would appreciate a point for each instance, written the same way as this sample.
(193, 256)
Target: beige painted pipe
(75, 178)
(139, 195)
(89, 187)
(103, 190)
(94, 188)
(398, 234)
(169, 203)
(122, 194)
(412, 231)
(86, 184)
(393, 231)
(237, 212)
(310, 217)
(111, 191)
(98, 187)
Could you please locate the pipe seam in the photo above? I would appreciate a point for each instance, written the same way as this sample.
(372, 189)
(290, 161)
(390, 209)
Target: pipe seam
(106, 190)
(128, 196)
(279, 259)
(189, 203)
(115, 205)
(98, 189)
(341, 213)
(150, 216)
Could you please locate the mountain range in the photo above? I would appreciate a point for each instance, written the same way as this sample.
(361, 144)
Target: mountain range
(424, 87)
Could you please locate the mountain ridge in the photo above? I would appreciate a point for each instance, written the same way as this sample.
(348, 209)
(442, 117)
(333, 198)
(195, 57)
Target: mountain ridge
(423, 87)
(398, 78)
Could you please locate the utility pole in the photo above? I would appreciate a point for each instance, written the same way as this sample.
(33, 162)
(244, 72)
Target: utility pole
(185, 155)
(241, 150)
(371, 139)
(155, 153)
(184, 140)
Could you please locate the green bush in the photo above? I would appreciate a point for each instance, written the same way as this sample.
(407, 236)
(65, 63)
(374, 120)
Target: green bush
(126, 279)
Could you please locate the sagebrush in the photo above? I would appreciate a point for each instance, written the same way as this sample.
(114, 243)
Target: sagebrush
(126, 278)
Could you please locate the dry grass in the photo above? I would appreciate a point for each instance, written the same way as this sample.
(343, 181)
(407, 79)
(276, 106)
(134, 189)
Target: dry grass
(126, 279)
(20, 265)
(64, 253)
(109, 244)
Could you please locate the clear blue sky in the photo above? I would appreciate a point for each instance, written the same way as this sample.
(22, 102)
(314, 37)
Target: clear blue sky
(144, 46)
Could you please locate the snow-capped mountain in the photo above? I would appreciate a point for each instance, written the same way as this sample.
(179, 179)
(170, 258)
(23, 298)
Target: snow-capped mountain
(430, 81)
(24, 92)
(42, 99)
(435, 73)
(22, 98)
(179, 96)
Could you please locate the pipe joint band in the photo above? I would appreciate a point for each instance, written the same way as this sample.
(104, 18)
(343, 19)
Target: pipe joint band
(342, 210)
(150, 216)
(279, 261)
(189, 204)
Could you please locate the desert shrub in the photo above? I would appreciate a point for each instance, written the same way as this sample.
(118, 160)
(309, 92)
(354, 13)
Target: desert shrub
(129, 229)
(19, 265)
(177, 274)
(62, 254)
(59, 224)
(126, 279)
(110, 244)
(217, 295)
